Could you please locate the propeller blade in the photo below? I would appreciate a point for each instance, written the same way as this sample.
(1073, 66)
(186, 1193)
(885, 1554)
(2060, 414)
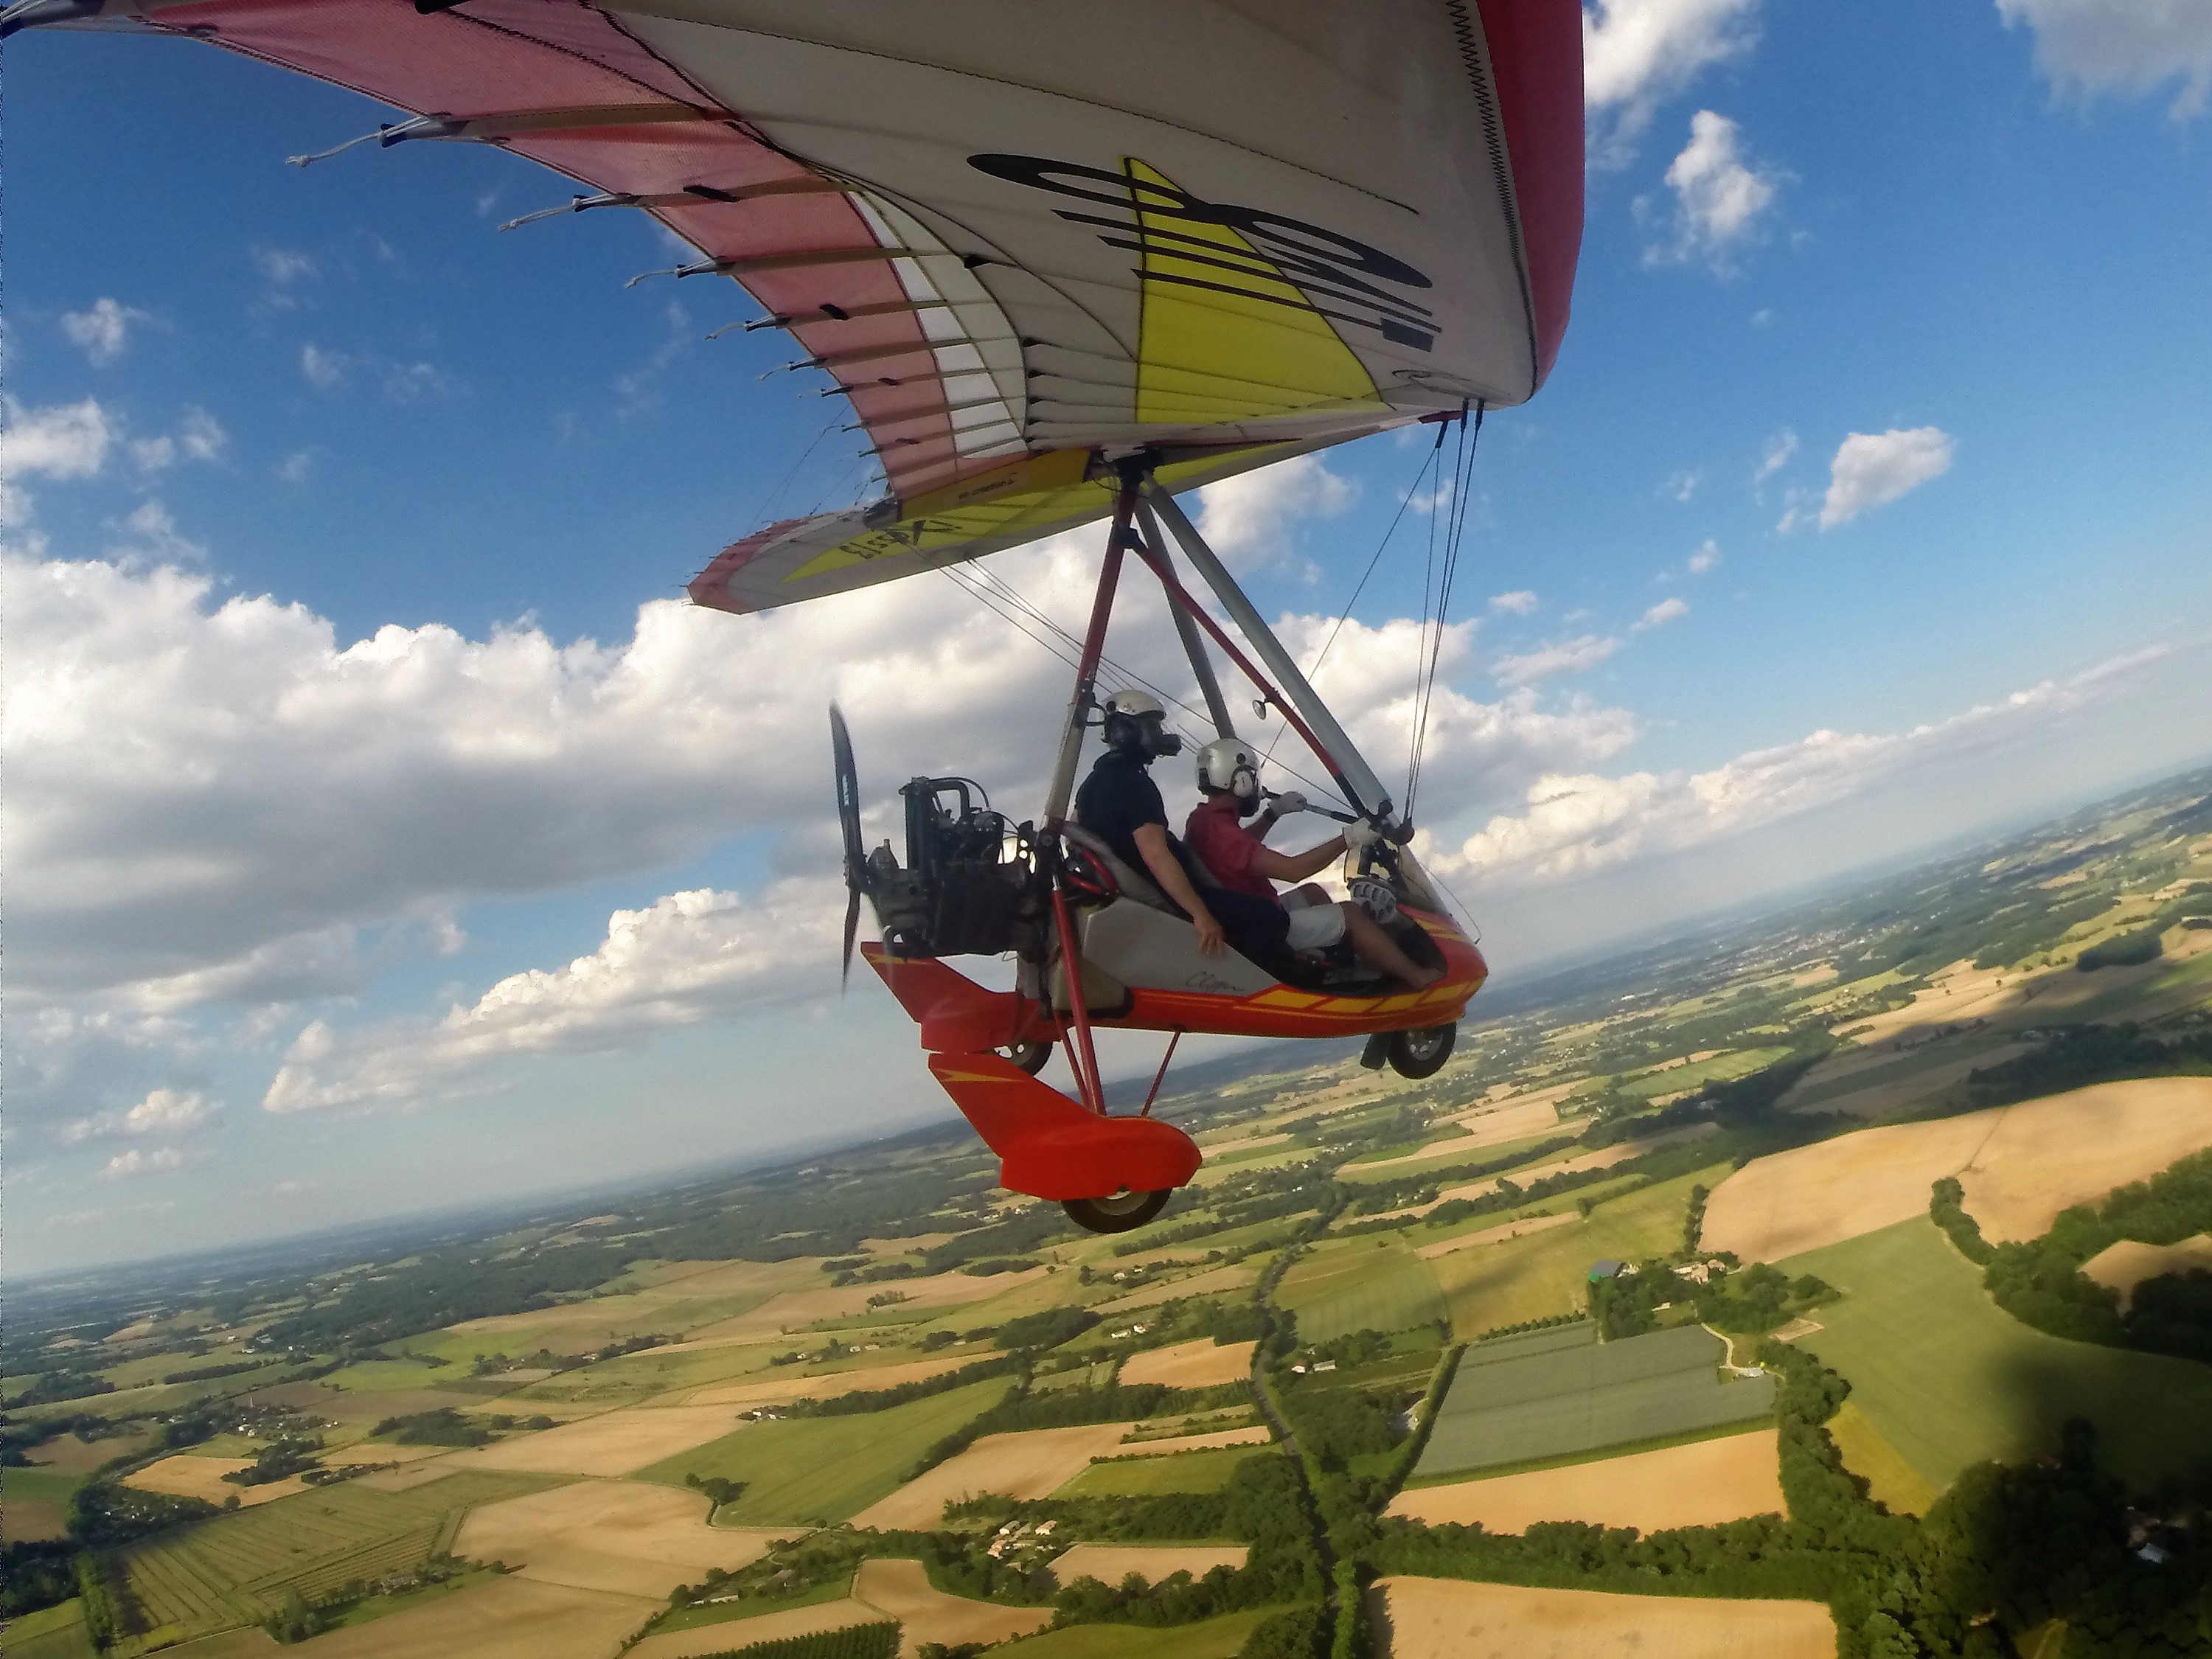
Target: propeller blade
(852, 930)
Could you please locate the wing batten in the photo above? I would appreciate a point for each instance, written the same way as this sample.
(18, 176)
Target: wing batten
(1007, 232)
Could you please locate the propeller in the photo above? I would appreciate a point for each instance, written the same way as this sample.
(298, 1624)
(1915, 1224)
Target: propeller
(848, 819)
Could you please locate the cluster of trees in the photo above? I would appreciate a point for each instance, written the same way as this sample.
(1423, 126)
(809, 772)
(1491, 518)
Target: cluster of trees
(1373, 1199)
(277, 1461)
(2128, 949)
(2082, 1055)
(210, 1373)
(106, 1515)
(442, 1288)
(444, 1426)
(2040, 1281)
(62, 1382)
(853, 1642)
(877, 1400)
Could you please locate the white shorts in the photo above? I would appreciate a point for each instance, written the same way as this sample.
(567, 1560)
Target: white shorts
(1316, 926)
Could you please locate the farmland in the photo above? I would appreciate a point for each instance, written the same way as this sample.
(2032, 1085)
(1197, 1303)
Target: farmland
(1439, 1618)
(1361, 1284)
(1538, 1276)
(1552, 1395)
(1699, 1485)
(829, 1467)
(234, 1569)
(1148, 1477)
(1948, 1379)
(628, 1381)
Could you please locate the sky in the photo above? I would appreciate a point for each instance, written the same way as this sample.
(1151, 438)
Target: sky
(385, 833)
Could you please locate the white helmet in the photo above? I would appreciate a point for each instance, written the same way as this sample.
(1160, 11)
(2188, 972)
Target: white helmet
(1136, 720)
(1227, 766)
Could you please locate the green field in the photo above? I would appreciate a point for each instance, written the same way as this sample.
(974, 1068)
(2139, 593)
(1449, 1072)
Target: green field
(1146, 1476)
(825, 1467)
(1444, 1169)
(1374, 1282)
(1553, 1394)
(234, 1569)
(1545, 1274)
(1949, 1379)
(34, 1502)
(1721, 1068)
(1211, 1638)
(51, 1633)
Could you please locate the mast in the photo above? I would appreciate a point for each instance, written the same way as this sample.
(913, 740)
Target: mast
(1371, 799)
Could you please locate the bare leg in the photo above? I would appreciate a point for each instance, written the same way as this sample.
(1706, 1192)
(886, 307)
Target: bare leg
(1371, 945)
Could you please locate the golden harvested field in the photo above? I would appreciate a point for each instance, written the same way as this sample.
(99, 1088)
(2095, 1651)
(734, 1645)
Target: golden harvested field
(701, 1639)
(2020, 1165)
(903, 1591)
(1190, 1364)
(187, 1476)
(1451, 1619)
(783, 1388)
(1498, 1235)
(622, 1536)
(1487, 1126)
(503, 1619)
(613, 1442)
(1699, 1484)
(1890, 1479)
(2125, 1265)
(1109, 1563)
(1028, 1464)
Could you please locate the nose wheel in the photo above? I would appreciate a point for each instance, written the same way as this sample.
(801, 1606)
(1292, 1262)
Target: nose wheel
(1122, 1212)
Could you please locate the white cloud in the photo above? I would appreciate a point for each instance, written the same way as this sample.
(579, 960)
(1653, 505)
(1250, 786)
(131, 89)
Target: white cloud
(1561, 657)
(2091, 46)
(407, 383)
(216, 805)
(1776, 454)
(294, 468)
(688, 956)
(1579, 824)
(1871, 469)
(139, 1161)
(153, 537)
(1637, 53)
(1521, 601)
(169, 1112)
(1706, 558)
(1659, 615)
(1679, 486)
(102, 330)
(1250, 520)
(1719, 196)
(202, 436)
(282, 269)
(324, 369)
(62, 440)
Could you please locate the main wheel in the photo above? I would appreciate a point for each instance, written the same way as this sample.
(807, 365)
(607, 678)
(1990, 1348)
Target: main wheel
(1118, 1214)
(1030, 1056)
(1423, 1053)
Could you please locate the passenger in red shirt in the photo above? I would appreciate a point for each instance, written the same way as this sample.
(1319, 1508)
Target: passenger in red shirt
(1240, 859)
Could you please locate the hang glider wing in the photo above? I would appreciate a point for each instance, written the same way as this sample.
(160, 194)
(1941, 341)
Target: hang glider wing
(1016, 231)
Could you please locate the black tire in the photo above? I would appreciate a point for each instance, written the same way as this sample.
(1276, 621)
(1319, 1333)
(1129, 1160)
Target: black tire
(1123, 1213)
(1423, 1053)
(1031, 1057)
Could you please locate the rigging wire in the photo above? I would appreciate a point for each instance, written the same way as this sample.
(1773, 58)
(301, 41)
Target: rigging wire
(1455, 543)
(984, 587)
(760, 514)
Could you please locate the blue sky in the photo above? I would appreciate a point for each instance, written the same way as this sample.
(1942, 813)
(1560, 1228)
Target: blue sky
(1866, 506)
